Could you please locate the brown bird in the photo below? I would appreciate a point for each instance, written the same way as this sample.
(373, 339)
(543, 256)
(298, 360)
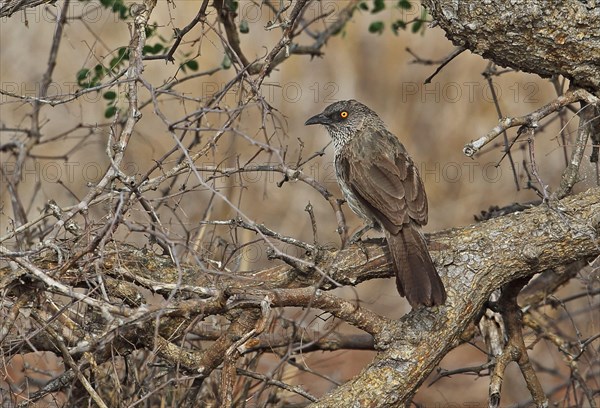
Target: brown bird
(382, 185)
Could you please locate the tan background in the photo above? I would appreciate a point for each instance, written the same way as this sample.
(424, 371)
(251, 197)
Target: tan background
(434, 121)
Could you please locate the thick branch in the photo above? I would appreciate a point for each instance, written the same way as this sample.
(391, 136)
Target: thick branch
(514, 245)
(546, 38)
(473, 262)
(570, 176)
(515, 349)
(477, 260)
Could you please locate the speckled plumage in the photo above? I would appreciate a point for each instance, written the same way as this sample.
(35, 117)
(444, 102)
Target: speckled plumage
(382, 185)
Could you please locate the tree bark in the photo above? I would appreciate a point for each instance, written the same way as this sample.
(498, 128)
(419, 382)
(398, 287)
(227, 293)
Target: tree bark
(476, 260)
(542, 37)
(473, 262)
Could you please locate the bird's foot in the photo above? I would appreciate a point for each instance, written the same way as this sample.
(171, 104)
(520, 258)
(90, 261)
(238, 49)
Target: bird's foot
(356, 239)
(363, 248)
(359, 233)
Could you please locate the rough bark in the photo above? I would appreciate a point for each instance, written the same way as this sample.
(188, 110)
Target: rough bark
(538, 36)
(476, 260)
(473, 262)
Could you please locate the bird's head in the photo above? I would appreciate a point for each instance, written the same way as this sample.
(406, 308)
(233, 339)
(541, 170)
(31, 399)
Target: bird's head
(344, 119)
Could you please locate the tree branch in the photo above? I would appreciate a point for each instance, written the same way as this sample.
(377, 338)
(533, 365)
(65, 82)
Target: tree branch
(530, 120)
(526, 35)
(473, 262)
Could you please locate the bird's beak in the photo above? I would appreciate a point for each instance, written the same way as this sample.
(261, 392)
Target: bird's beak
(319, 119)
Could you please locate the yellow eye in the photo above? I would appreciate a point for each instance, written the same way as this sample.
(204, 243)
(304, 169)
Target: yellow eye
(343, 114)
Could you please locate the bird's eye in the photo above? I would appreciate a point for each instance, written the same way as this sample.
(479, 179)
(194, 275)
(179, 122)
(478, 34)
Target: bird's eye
(343, 114)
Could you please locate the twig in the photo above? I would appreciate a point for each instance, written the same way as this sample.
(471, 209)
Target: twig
(586, 129)
(559, 88)
(515, 349)
(351, 313)
(457, 51)
(530, 120)
(491, 70)
(61, 99)
(179, 34)
(543, 186)
(290, 174)
(269, 381)
(62, 381)
(313, 222)
(227, 17)
(476, 370)
(47, 77)
(73, 365)
(285, 40)
(262, 229)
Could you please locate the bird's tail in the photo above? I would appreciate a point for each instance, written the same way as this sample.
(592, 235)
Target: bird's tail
(416, 277)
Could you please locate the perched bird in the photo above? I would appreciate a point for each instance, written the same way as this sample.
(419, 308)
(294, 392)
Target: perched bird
(382, 185)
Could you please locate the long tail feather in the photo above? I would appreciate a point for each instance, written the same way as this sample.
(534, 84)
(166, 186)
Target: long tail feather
(416, 277)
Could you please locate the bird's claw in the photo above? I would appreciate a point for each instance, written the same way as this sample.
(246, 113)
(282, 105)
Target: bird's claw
(356, 237)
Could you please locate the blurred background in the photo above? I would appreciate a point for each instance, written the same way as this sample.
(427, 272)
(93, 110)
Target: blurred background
(434, 121)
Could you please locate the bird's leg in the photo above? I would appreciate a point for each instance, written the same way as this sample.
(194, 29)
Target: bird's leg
(359, 233)
(355, 239)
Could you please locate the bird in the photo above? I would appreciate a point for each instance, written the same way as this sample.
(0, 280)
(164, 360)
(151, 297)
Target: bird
(381, 184)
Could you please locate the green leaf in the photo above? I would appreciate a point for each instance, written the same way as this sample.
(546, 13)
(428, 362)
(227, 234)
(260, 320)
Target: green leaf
(232, 5)
(193, 65)
(117, 7)
(152, 49)
(339, 31)
(114, 63)
(110, 95)
(417, 26)
(363, 6)
(376, 27)
(404, 4)
(398, 25)
(150, 30)
(110, 112)
(420, 23)
(244, 28)
(82, 74)
(226, 63)
(378, 5)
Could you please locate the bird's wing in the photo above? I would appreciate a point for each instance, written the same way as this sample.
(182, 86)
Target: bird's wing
(388, 183)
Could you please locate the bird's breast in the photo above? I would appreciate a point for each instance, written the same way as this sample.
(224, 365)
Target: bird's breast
(342, 176)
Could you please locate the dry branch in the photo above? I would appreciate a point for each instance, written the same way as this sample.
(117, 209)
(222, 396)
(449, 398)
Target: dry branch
(476, 260)
(95, 299)
(530, 120)
(473, 261)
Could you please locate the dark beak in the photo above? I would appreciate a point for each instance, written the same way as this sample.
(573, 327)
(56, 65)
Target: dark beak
(319, 119)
